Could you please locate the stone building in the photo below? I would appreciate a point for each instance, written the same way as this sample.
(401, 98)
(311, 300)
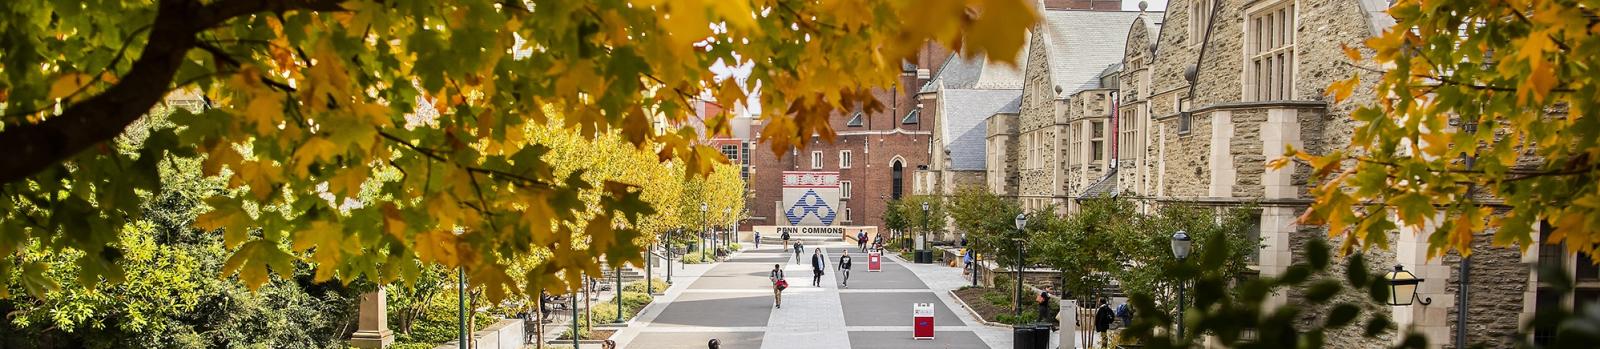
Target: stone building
(963, 95)
(1190, 105)
(1062, 128)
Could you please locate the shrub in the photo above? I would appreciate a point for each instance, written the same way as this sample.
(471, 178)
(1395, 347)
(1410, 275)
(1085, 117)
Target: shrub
(1027, 317)
(997, 298)
(412, 346)
(734, 246)
(692, 258)
(656, 284)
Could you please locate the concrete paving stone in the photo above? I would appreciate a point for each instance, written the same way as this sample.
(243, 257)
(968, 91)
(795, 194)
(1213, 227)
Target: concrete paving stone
(695, 340)
(902, 339)
(772, 259)
(892, 276)
(735, 276)
(893, 309)
(717, 310)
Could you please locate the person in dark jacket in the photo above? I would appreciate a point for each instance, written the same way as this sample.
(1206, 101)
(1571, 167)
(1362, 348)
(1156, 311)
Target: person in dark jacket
(844, 269)
(1103, 318)
(818, 264)
(798, 248)
(1044, 304)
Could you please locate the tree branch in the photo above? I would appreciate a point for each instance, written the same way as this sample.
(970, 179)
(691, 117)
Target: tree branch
(33, 147)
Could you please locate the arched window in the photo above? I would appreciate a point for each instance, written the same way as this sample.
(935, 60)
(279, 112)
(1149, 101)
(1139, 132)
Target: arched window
(896, 175)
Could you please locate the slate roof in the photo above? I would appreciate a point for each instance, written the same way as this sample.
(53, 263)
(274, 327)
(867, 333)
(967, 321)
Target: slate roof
(961, 117)
(1082, 43)
(977, 73)
(1105, 187)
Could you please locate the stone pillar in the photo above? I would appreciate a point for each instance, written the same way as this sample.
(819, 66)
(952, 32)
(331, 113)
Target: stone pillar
(1068, 318)
(1433, 321)
(372, 327)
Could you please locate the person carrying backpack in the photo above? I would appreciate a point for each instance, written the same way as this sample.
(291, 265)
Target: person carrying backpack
(778, 284)
(798, 248)
(861, 240)
(785, 239)
(758, 240)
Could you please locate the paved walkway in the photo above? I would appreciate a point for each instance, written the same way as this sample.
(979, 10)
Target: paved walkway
(732, 301)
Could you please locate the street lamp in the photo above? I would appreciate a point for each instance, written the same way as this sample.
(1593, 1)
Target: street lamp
(1403, 287)
(702, 231)
(727, 212)
(1180, 249)
(1022, 224)
(923, 245)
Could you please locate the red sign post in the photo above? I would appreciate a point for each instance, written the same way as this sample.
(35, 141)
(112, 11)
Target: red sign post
(922, 320)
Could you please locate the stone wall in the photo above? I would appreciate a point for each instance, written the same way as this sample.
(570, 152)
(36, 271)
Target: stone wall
(1245, 149)
(1188, 173)
(1496, 288)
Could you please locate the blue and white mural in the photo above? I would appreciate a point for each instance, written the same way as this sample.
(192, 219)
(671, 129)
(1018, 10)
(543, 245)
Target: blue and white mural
(810, 198)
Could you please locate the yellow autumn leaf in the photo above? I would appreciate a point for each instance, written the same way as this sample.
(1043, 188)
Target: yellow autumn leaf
(314, 150)
(437, 246)
(68, 84)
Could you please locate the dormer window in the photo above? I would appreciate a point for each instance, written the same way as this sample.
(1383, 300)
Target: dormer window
(855, 120)
(912, 118)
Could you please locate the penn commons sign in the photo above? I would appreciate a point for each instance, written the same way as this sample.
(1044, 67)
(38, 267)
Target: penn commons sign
(811, 230)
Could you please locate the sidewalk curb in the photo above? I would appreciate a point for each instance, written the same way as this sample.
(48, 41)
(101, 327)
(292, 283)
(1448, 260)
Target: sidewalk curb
(974, 313)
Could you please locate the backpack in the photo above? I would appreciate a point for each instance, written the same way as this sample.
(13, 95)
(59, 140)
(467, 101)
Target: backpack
(782, 284)
(785, 235)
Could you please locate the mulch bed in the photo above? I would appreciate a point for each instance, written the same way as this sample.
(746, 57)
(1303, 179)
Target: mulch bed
(986, 310)
(599, 334)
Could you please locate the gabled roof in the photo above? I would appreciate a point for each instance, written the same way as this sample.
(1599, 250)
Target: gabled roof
(961, 119)
(977, 73)
(1082, 43)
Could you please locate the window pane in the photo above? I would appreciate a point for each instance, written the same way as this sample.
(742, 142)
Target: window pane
(1587, 271)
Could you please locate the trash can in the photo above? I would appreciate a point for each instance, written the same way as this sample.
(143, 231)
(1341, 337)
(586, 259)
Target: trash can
(1022, 337)
(1041, 335)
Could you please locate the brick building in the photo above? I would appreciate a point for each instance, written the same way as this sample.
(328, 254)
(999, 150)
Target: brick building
(875, 153)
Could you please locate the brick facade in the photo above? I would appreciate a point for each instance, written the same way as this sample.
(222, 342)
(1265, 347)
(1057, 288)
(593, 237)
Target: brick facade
(875, 147)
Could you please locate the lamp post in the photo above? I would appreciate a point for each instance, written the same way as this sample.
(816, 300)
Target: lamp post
(922, 246)
(727, 212)
(1022, 224)
(668, 251)
(1403, 287)
(1180, 249)
(703, 232)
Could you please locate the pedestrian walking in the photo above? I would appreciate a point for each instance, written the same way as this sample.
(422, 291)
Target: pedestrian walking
(1102, 320)
(861, 240)
(818, 263)
(778, 284)
(1044, 304)
(967, 258)
(1125, 313)
(758, 240)
(786, 239)
(844, 269)
(798, 249)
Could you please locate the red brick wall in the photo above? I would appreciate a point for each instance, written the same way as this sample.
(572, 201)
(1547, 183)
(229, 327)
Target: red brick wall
(873, 146)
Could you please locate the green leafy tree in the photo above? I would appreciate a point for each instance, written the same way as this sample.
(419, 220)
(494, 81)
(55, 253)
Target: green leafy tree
(987, 220)
(1481, 106)
(418, 114)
